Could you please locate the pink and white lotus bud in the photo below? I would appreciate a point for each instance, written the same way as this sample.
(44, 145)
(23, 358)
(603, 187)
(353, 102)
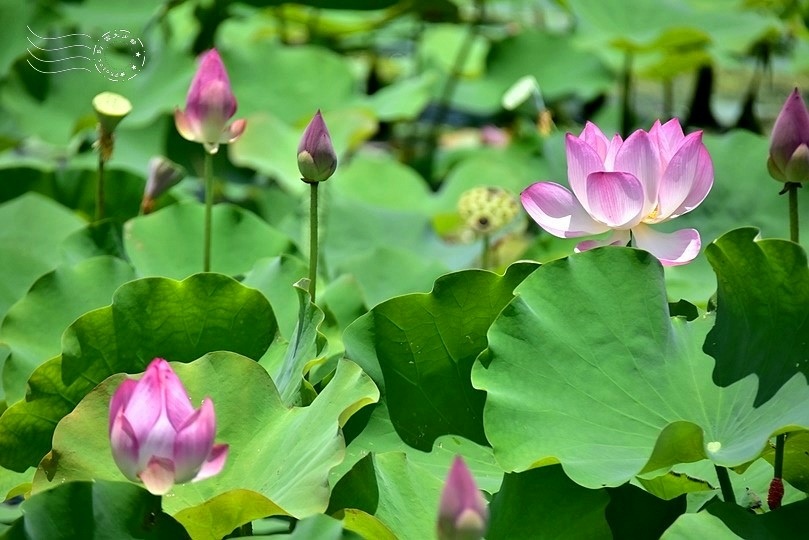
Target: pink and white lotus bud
(163, 175)
(316, 158)
(789, 146)
(463, 514)
(156, 435)
(209, 106)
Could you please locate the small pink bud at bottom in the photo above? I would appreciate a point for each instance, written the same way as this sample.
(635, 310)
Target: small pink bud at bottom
(776, 493)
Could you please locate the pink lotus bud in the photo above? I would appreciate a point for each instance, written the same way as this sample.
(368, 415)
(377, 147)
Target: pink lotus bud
(156, 435)
(789, 146)
(463, 514)
(316, 158)
(163, 175)
(209, 106)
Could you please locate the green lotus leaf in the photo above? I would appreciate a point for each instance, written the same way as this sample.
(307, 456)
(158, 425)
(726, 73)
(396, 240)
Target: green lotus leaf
(585, 367)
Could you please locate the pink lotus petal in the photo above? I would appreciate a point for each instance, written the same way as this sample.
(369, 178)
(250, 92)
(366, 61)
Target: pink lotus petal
(187, 129)
(158, 476)
(214, 464)
(158, 443)
(612, 151)
(798, 167)
(194, 442)
(233, 131)
(595, 139)
(557, 211)
(210, 91)
(615, 199)
(791, 129)
(124, 446)
(617, 238)
(121, 398)
(672, 249)
(143, 408)
(668, 137)
(177, 403)
(462, 507)
(687, 179)
(639, 157)
(582, 160)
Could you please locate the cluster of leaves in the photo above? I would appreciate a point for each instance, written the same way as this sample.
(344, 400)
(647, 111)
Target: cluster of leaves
(572, 388)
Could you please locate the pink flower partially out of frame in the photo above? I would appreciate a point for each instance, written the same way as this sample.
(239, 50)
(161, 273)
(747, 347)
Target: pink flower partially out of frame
(156, 435)
(626, 186)
(209, 106)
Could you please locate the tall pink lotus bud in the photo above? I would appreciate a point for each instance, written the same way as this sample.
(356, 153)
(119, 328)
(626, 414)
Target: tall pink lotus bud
(209, 106)
(316, 158)
(789, 147)
(156, 435)
(463, 514)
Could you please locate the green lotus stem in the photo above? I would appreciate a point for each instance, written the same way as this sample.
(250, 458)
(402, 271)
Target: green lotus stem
(778, 463)
(794, 233)
(208, 179)
(485, 259)
(724, 483)
(313, 239)
(100, 190)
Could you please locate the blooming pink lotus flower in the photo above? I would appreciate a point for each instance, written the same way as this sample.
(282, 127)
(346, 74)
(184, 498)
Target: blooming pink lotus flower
(317, 160)
(209, 106)
(156, 435)
(789, 148)
(625, 186)
(463, 513)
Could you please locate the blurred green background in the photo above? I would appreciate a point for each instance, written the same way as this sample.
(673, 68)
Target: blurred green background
(413, 94)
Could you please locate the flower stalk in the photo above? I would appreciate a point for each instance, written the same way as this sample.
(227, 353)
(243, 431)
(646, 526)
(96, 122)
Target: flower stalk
(725, 485)
(317, 162)
(209, 106)
(313, 240)
(110, 109)
(788, 162)
(209, 187)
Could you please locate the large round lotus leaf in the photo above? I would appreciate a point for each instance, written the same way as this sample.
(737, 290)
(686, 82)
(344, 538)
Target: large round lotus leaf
(284, 454)
(169, 242)
(148, 318)
(730, 521)
(33, 326)
(559, 502)
(31, 229)
(424, 346)
(291, 83)
(762, 303)
(85, 509)
(585, 367)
